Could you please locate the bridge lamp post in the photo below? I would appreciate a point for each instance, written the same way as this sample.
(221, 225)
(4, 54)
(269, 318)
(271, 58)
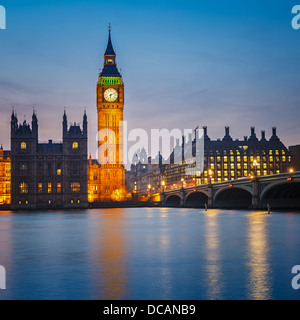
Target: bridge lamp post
(194, 181)
(149, 191)
(163, 183)
(210, 174)
(290, 176)
(255, 164)
(182, 180)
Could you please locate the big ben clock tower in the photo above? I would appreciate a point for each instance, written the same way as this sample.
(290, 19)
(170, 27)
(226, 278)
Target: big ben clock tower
(110, 106)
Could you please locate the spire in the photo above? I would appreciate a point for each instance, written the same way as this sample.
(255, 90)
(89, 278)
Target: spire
(65, 115)
(85, 123)
(34, 117)
(109, 67)
(109, 49)
(65, 124)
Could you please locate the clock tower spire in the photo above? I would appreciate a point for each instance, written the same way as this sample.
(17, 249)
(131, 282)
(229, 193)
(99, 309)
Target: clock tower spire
(110, 106)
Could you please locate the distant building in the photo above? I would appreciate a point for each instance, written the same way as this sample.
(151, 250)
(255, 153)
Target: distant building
(229, 159)
(5, 177)
(93, 180)
(144, 179)
(48, 175)
(295, 153)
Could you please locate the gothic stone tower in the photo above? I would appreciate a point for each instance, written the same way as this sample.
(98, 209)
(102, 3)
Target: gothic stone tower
(110, 106)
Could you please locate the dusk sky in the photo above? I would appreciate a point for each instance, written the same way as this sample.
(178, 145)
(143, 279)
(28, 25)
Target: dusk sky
(184, 63)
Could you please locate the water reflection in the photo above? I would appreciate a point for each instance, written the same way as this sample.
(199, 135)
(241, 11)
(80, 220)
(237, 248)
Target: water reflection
(259, 283)
(6, 240)
(213, 266)
(111, 254)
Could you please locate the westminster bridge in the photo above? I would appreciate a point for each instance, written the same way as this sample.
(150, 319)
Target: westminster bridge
(277, 191)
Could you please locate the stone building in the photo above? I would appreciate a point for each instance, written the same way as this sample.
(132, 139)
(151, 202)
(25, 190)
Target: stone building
(5, 177)
(295, 153)
(93, 180)
(144, 179)
(227, 159)
(48, 175)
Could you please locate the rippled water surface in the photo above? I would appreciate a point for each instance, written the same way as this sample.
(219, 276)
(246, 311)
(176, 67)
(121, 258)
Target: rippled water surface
(149, 253)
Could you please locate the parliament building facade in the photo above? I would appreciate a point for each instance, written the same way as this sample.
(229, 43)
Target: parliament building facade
(48, 175)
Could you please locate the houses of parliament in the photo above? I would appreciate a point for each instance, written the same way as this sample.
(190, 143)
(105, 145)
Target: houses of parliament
(37, 175)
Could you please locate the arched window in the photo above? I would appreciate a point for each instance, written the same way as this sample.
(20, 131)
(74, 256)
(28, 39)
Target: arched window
(23, 146)
(75, 145)
(23, 187)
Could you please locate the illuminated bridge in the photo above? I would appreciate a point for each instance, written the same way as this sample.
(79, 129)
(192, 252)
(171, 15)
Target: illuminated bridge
(279, 191)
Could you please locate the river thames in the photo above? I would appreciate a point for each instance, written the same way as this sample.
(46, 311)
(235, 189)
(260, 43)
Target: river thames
(149, 253)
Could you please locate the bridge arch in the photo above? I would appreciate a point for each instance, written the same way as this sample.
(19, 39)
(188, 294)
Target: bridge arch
(196, 199)
(281, 195)
(173, 200)
(233, 197)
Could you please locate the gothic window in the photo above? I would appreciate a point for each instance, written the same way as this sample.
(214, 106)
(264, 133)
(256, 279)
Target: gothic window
(23, 187)
(23, 167)
(75, 145)
(23, 146)
(75, 187)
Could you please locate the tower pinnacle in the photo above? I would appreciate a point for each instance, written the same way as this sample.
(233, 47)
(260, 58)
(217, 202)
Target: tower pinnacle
(109, 66)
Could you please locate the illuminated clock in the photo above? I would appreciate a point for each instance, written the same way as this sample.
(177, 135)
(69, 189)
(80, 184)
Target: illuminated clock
(110, 94)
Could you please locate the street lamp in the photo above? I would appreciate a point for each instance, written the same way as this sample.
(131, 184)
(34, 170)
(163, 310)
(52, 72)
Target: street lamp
(163, 183)
(194, 182)
(255, 164)
(149, 191)
(210, 174)
(182, 180)
(290, 178)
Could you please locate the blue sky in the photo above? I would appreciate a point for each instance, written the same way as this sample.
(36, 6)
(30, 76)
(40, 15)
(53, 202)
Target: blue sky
(184, 63)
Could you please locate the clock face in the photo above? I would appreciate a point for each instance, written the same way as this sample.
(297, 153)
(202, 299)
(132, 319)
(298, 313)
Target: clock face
(110, 94)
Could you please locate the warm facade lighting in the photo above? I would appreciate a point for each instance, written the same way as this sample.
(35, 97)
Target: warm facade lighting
(5, 178)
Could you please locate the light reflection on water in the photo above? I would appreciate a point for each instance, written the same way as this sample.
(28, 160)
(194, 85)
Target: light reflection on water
(110, 244)
(213, 258)
(259, 287)
(149, 253)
